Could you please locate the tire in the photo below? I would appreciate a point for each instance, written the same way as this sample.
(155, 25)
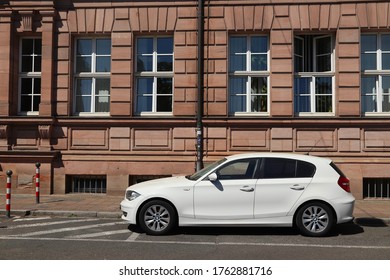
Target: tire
(157, 217)
(315, 219)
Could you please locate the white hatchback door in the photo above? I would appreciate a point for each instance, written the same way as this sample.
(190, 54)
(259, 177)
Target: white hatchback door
(282, 182)
(230, 194)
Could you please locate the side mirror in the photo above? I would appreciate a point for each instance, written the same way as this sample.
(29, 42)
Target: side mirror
(213, 177)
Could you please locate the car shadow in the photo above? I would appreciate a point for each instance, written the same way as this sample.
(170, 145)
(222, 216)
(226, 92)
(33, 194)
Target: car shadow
(350, 228)
(371, 222)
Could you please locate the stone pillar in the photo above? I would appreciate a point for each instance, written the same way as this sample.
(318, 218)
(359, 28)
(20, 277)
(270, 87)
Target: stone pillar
(5, 62)
(121, 65)
(46, 106)
(281, 49)
(348, 62)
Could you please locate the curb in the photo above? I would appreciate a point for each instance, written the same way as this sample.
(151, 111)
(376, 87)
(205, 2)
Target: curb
(86, 214)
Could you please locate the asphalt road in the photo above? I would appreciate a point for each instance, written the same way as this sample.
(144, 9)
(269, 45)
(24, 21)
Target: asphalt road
(51, 238)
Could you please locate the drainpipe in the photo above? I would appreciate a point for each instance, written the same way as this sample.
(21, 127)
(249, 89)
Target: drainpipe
(199, 115)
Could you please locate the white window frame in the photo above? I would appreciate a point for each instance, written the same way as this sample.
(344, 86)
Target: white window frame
(315, 74)
(249, 74)
(90, 75)
(378, 74)
(30, 75)
(155, 75)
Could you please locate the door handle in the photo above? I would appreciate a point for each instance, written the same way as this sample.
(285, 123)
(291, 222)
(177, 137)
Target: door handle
(297, 187)
(247, 189)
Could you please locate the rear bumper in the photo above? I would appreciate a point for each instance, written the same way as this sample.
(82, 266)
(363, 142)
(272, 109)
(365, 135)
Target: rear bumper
(344, 210)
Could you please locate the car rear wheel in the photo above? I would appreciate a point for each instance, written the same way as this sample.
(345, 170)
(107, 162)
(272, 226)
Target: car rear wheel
(157, 217)
(315, 219)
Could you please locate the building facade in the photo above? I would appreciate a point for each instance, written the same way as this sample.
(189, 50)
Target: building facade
(105, 93)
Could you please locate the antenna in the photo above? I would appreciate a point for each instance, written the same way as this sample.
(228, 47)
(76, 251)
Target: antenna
(312, 147)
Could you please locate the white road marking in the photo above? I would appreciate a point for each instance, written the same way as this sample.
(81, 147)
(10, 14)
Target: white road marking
(31, 219)
(201, 243)
(97, 234)
(67, 229)
(132, 237)
(52, 223)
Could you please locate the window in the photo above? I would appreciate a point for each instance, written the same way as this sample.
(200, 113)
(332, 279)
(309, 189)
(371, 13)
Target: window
(375, 68)
(136, 179)
(314, 75)
(92, 76)
(86, 184)
(248, 75)
(279, 168)
(376, 188)
(154, 75)
(241, 169)
(30, 76)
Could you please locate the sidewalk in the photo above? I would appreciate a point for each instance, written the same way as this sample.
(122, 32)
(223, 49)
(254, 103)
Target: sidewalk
(77, 205)
(89, 205)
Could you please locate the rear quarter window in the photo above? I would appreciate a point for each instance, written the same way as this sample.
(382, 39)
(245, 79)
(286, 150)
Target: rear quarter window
(305, 169)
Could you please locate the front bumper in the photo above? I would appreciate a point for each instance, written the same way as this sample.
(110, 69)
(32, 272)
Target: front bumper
(128, 211)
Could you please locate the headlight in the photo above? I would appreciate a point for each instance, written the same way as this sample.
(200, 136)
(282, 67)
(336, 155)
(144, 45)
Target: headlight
(131, 195)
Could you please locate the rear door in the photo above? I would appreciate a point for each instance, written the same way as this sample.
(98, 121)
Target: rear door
(281, 184)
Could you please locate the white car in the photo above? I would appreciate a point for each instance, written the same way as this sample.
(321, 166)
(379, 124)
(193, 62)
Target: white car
(258, 189)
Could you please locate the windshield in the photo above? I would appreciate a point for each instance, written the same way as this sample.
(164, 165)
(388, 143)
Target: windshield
(196, 176)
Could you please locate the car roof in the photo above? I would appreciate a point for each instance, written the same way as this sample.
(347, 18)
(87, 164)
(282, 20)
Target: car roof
(279, 155)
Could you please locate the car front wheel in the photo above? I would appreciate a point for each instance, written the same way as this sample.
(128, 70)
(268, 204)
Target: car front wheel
(157, 217)
(315, 219)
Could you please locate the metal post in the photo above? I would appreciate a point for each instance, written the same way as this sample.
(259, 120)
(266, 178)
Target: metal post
(37, 181)
(199, 116)
(8, 195)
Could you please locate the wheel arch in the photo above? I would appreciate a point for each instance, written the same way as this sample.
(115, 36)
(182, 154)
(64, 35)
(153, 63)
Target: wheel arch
(157, 199)
(311, 201)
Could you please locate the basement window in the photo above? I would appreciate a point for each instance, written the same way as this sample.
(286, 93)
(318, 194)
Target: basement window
(376, 188)
(135, 179)
(86, 184)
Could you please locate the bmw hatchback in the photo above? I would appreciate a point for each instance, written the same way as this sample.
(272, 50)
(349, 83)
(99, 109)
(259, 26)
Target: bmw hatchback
(258, 189)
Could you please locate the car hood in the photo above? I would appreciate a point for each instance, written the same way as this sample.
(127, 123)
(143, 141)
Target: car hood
(163, 183)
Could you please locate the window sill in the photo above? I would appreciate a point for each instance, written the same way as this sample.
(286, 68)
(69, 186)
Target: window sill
(150, 114)
(376, 114)
(315, 115)
(257, 114)
(92, 114)
(28, 114)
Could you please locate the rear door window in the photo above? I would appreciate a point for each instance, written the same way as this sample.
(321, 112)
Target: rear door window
(279, 168)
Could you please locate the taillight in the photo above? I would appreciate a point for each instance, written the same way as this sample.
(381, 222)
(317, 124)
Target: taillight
(344, 183)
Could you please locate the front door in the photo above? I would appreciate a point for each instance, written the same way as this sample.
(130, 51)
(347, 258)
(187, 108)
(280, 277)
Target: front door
(231, 195)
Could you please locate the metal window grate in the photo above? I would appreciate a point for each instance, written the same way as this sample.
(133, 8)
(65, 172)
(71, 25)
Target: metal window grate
(376, 188)
(87, 184)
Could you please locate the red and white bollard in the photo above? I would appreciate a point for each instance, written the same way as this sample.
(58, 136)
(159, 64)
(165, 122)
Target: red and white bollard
(8, 195)
(37, 181)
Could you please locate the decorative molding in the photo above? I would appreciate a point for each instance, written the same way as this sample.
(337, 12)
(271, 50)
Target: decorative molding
(27, 22)
(44, 131)
(3, 131)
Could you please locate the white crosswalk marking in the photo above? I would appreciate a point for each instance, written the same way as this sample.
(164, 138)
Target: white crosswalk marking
(52, 223)
(36, 233)
(132, 237)
(32, 219)
(97, 234)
